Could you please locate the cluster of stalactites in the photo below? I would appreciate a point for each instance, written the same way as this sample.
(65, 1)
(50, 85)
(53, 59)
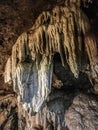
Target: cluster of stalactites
(65, 30)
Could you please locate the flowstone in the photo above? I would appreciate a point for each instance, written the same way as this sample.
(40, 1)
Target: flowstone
(65, 30)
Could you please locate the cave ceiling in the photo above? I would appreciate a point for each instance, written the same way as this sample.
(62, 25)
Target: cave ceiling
(16, 17)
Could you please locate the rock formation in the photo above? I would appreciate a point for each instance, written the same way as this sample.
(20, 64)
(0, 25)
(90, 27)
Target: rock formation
(55, 52)
(81, 114)
(65, 30)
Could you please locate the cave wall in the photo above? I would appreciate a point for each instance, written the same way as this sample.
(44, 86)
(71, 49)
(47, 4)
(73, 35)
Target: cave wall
(12, 25)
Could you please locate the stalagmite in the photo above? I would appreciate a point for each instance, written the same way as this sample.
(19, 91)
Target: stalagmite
(65, 30)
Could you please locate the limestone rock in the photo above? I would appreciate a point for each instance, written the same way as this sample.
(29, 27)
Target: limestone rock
(8, 112)
(82, 114)
(65, 30)
(12, 24)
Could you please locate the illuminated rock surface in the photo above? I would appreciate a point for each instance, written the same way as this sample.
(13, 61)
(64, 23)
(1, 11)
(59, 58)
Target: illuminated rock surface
(65, 30)
(61, 41)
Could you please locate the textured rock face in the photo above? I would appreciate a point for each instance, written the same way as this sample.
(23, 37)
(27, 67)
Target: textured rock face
(64, 111)
(82, 114)
(65, 30)
(33, 56)
(32, 85)
(8, 112)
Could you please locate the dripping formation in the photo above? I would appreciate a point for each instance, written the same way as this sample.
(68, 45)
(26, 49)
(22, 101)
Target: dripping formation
(65, 30)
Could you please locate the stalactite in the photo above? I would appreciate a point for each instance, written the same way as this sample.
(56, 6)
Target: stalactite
(65, 30)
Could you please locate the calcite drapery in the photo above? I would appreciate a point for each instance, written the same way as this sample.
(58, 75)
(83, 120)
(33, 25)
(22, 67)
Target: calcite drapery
(65, 30)
(33, 85)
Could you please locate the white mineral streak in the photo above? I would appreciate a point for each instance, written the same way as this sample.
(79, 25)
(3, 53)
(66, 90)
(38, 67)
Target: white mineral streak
(65, 30)
(8, 71)
(34, 85)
